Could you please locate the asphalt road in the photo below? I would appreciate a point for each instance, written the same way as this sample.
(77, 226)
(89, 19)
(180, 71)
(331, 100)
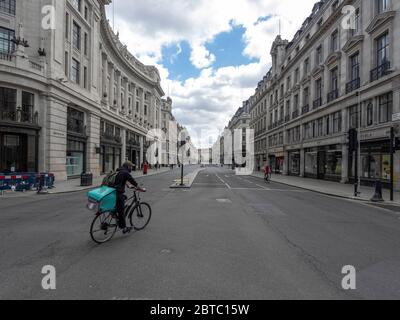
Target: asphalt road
(228, 237)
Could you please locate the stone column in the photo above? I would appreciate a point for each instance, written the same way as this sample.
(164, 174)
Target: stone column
(141, 92)
(111, 85)
(345, 164)
(286, 164)
(126, 102)
(123, 152)
(134, 98)
(302, 162)
(93, 159)
(104, 79)
(141, 150)
(118, 98)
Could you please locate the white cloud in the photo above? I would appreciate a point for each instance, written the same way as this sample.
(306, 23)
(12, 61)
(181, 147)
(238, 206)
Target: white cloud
(208, 101)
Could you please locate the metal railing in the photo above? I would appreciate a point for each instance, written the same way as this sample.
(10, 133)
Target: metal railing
(333, 95)
(295, 114)
(5, 56)
(317, 103)
(380, 71)
(20, 116)
(305, 109)
(353, 85)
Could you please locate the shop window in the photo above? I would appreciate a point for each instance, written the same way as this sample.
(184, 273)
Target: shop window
(8, 98)
(354, 119)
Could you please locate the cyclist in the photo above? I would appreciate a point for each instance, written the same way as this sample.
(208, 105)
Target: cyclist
(123, 177)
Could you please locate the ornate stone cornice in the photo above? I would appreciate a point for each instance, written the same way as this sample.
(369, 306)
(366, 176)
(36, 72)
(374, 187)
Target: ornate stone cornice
(379, 20)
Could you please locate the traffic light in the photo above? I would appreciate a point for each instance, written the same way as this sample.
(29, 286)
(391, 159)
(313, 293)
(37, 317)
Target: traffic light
(353, 140)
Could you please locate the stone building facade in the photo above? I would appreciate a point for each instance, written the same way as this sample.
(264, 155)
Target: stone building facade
(72, 98)
(341, 71)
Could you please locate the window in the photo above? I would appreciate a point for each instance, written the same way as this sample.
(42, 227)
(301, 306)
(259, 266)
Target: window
(85, 44)
(75, 121)
(320, 127)
(77, 4)
(85, 80)
(318, 88)
(354, 119)
(335, 41)
(145, 110)
(306, 66)
(7, 6)
(356, 22)
(385, 108)
(334, 79)
(306, 97)
(6, 37)
(382, 6)
(86, 13)
(296, 76)
(8, 101)
(337, 122)
(382, 49)
(75, 71)
(319, 55)
(355, 66)
(76, 36)
(370, 114)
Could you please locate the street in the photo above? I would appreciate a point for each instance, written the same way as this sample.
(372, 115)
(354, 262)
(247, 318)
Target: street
(228, 237)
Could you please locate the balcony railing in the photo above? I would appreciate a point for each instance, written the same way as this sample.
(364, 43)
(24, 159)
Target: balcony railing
(317, 103)
(380, 71)
(333, 95)
(5, 56)
(295, 114)
(27, 116)
(111, 137)
(287, 118)
(353, 85)
(305, 109)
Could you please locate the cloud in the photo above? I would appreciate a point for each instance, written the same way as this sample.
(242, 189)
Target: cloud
(210, 100)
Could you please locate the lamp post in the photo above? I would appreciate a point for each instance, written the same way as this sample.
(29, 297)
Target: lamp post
(182, 144)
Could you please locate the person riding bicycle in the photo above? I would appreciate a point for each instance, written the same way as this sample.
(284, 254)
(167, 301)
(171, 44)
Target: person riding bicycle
(123, 177)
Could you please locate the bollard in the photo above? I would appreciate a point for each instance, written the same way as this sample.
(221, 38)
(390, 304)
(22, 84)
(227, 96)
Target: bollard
(378, 192)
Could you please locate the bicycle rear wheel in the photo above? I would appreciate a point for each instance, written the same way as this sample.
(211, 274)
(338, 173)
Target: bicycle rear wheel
(103, 228)
(140, 216)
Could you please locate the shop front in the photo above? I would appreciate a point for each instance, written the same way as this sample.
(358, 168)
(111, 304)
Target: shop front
(110, 147)
(323, 163)
(294, 163)
(276, 162)
(375, 162)
(133, 148)
(76, 143)
(19, 132)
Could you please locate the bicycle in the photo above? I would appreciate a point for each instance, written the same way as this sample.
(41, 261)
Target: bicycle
(105, 224)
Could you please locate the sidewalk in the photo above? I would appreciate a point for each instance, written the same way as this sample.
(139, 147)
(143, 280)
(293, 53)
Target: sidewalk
(330, 188)
(74, 185)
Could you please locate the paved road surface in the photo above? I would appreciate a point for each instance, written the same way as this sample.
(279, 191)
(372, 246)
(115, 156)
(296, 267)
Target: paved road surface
(228, 237)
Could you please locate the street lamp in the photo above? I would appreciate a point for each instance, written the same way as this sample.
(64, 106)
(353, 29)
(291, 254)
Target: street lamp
(182, 144)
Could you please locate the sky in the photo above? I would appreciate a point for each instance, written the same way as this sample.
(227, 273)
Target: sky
(211, 54)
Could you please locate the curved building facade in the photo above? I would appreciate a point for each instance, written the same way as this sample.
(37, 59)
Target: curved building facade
(72, 98)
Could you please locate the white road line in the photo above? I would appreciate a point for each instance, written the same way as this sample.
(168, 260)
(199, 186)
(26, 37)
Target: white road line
(262, 187)
(229, 187)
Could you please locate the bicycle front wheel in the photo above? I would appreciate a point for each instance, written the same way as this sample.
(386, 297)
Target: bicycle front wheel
(103, 228)
(140, 217)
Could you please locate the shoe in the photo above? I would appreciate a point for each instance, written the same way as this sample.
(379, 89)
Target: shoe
(127, 230)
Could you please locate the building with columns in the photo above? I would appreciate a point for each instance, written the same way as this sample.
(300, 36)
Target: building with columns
(339, 72)
(72, 98)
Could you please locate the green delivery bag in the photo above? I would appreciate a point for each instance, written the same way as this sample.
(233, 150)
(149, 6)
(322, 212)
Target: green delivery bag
(106, 198)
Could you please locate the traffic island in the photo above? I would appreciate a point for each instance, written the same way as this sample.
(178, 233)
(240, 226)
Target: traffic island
(187, 181)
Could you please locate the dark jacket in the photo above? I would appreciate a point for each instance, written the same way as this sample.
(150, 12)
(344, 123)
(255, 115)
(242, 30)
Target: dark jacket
(122, 178)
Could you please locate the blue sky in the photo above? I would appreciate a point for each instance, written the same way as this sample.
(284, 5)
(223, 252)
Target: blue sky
(227, 47)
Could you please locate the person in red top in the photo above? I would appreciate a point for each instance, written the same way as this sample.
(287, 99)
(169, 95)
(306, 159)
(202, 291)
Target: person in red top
(267, 172)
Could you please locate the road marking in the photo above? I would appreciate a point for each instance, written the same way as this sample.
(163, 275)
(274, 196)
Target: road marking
(224, 201)
(229, 187)
(262, 187)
